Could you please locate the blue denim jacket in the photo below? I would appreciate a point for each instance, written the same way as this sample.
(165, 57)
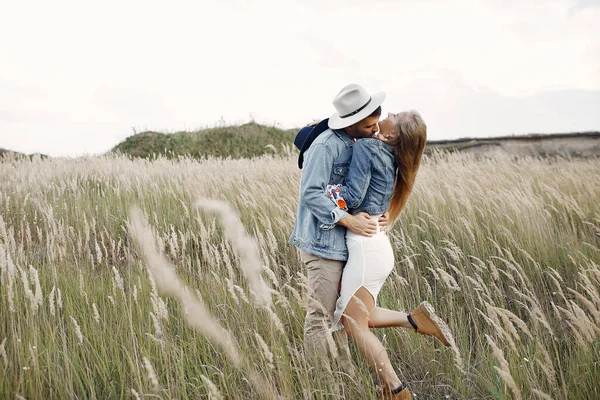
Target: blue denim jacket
(371, 177)
(325, 162)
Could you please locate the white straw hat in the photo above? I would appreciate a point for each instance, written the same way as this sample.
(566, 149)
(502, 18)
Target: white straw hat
(353, 103)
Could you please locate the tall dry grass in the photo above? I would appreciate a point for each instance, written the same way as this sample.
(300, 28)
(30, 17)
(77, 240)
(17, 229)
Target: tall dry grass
(189, 299)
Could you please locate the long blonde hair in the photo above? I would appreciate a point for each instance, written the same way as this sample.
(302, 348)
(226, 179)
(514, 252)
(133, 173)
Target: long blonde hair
(408, 150)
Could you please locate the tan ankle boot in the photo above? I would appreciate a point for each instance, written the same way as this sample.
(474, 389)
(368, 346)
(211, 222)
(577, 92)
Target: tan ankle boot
(425, 322)
(404, 394)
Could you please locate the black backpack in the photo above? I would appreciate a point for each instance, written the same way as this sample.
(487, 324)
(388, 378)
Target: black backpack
(306, 136)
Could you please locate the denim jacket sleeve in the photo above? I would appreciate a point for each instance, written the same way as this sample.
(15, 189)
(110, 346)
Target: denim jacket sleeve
(318, 162)
(359, 176)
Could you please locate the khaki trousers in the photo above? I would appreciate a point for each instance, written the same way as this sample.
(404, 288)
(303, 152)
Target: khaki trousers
(324, 278)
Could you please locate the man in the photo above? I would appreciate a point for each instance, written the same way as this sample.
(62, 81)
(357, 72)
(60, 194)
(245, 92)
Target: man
(321, 226)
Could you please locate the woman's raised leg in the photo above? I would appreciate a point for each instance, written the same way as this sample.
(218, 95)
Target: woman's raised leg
(385, 318)
(424, 321)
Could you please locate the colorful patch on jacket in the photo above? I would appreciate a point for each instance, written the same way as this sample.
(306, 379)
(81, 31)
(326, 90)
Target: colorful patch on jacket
(335, 195)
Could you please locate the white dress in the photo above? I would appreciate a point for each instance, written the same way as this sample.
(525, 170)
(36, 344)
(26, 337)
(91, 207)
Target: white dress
(370, 262)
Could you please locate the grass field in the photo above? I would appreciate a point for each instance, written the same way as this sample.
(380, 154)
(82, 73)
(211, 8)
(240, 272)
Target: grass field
(94, 303)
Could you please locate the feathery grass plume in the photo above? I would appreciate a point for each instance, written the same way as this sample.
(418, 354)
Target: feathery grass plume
(579, 323)
(59, 302)
(156, 340)
(494, 271)
(435, 274)
(458, 360)
(3, 233)
(510, 331)
(28, 293)
(584, 319)
(271, 147)
(590, 305)
(541, 395)
(224, 255)
(271, 275)
(453, 251)
(546, 365)
(296, 295)
(37, 297)
(280, 299)
(196, 314)
(118, 280)
(135, 294)
(431, 252)
(448, 280)
(3, 266)
(408, 260)
(231, 291)
(135, 394)
(504, 370)
(159, 306)
(475, 283)
(518, 321)
(77, 330)
(157, 329)
(51, 301)
(492, 323)
(33, 355)
(535, 310)
(246, 247)
(96, 313)
(457, 271)
(241, 293)
(402, 281)
(275, 320)
(509, 276)
(3, 353)
(477, 264)
(150, 371)
(98, 253)
(596, 273)
(213, 391)
(427, 286)
(81, 284)
(558, 286)
(333, 350)
(548, 372)
(265, 349)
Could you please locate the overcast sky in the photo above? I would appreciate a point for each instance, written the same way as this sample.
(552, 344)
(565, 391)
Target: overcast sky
(78, 77)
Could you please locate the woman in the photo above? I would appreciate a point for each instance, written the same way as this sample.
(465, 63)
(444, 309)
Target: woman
(381, 177)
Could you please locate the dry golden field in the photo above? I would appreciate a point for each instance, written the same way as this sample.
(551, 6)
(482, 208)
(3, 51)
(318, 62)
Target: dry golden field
(175, 279)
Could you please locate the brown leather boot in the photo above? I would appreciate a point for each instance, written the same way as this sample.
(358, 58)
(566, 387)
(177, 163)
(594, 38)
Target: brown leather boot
(425, 322)
(401, 393)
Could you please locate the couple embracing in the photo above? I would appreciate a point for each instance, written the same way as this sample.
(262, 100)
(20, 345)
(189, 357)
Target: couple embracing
(356, 178)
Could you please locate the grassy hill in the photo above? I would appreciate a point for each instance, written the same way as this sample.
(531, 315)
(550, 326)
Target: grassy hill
(245, 141)
(9, 154)
(5, 152)
(251, 140)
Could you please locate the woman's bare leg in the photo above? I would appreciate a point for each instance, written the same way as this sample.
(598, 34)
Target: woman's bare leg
(356, 322)
(384, 318)
(426, 321)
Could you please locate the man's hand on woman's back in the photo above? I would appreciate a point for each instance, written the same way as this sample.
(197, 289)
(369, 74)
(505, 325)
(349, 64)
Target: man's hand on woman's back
(360, 223)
